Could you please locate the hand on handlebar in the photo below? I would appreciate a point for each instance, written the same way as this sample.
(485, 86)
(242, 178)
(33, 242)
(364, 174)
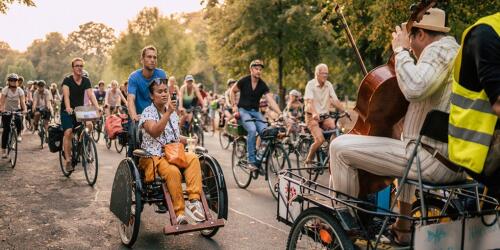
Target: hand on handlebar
(69, 110)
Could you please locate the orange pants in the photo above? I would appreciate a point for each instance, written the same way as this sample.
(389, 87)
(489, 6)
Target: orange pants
(171, 174)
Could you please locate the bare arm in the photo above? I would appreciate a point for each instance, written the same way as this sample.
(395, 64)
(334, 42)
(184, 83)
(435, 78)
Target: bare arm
(2, 102)
(232, 97)
(91, 95)
(106, 98)
(131, 107)
(337, 104)
(65, 89)
(156, 128)
(23, 103)
(122, 97)
(199, 97)
(181, 93)
(496, 107)
(272, 103)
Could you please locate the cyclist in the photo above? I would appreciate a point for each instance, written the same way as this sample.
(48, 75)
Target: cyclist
(227, 107)
(113, 99)
(42, 105)
(124, 90)
(252, 88)
(74, 88)
(100, 93)
(138, 97)
(189, 96)
(172, 85)
(294, 110)
(319, 96)
(11, 99)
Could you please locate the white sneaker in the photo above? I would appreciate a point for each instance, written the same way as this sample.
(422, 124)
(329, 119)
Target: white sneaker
(195, 210)
(19, 139)
(182, 220)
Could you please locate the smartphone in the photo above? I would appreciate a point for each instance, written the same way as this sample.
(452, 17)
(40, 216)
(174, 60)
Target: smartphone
(174, 96)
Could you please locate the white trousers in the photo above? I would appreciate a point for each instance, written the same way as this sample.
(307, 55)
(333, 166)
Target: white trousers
(385, 157)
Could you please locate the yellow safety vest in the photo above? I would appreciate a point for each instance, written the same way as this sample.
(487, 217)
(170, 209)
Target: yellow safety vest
(472, 121)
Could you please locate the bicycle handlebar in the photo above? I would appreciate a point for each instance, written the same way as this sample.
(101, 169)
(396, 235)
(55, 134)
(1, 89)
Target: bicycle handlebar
(11, 113)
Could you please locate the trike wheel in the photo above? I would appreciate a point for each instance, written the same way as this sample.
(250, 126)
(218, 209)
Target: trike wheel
(317, 229)
(241, 174)
(130, 231)
(62, 158)
(276, 161)
(214, 188)
(90, 160)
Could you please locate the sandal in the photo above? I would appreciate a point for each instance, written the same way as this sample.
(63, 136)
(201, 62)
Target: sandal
(399, 236)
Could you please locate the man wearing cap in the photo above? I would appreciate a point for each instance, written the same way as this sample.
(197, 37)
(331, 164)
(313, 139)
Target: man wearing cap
(426, 84)
(251, 89)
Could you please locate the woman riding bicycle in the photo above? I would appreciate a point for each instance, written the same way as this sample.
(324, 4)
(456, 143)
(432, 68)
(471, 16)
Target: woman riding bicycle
(42, 105)
(113, 99)
(294, 111)
(12, 99)
(159, 122)
(190, 96)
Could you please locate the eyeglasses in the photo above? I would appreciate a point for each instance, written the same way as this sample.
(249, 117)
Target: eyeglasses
(78, 66)
(158, 81)
(12, 80)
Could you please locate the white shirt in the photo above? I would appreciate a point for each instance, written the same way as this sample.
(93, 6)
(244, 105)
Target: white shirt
(320, 95)
(170, 134)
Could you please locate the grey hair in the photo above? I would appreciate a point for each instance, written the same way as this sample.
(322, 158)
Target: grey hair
(318, 67)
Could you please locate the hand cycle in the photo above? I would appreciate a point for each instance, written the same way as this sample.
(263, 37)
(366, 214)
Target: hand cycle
(12, 140)
(271, 157)
(44, 117)
(130, 194)
(83, 150)
(322, 154)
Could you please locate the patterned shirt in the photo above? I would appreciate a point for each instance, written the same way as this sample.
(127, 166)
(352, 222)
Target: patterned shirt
(426, 85)
(154, 146)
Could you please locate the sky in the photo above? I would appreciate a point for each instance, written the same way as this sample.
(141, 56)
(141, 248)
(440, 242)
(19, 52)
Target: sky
(21, 25)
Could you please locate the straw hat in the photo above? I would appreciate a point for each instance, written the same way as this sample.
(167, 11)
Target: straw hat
(434, 19)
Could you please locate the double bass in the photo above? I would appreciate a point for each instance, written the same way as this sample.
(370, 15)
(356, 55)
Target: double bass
(380, 104)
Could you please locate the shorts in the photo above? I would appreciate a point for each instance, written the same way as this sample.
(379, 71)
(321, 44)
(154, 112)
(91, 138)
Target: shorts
(211, 113)
(68, 121)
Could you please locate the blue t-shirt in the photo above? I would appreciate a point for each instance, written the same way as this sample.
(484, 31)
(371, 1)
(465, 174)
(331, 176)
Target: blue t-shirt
(139, 87)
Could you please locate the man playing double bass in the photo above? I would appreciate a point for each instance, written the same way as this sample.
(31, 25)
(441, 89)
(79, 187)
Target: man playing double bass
(426, 85)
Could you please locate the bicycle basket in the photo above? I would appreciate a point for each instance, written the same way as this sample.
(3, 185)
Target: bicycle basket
(236, 130)
(87, 113)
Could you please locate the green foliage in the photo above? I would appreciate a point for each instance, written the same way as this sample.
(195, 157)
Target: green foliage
(4, 4)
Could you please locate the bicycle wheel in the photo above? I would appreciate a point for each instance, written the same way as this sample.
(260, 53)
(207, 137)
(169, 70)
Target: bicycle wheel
(275, 162)
(214, 188)
(303, 148)
(90, 160)
(224, 139)
(62, 158)
(241, 174)
(317, 229)
(41, 133)
(12, 148)
(96, 132)
(107, 140)
(434, 208)
(128, 232)
(118, 147)
(198, 131)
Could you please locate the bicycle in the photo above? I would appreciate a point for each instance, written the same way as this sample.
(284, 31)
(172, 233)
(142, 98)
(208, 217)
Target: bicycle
(225, 138)
(322, 154)
(44, 117)
(196, 127)
(83, 150)
(270, 153)
(96, 132)
(12, 140)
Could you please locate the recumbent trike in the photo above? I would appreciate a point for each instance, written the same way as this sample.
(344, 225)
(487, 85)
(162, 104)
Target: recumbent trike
(130, 193)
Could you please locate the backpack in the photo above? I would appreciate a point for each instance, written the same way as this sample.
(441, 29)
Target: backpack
(56, 134)
(113, 126)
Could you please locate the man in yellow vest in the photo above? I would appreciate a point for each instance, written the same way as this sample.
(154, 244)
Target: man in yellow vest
(475, 103)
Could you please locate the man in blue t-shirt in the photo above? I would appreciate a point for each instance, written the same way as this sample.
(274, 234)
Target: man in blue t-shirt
(138, 82)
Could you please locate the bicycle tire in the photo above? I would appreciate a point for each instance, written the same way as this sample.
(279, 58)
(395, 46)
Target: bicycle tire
(12, 147)
(239, 154)
(324, 227)
(118, 146)
(272, 175)
(135, 218)
(90, 157)
(62, 157)
(224, 139)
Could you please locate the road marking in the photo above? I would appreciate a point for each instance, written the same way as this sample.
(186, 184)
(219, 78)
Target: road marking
(255, 219)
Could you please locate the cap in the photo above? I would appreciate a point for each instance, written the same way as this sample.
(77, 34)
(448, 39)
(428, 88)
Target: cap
(294, 92)
(257, 62)
(12, 76)
(230, 81)
(189, 78)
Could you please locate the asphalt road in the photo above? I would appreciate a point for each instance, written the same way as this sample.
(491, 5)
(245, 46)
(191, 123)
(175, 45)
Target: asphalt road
(40, 208)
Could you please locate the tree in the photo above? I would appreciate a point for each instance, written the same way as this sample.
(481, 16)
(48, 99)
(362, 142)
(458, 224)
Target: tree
(4, 4)
(50, 57)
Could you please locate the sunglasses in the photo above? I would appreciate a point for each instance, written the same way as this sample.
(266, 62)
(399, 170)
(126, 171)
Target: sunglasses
(12, 80)
(158, 81)
(78, 66)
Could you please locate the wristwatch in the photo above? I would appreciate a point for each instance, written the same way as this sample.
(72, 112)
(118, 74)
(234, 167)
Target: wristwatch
(400, 49)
